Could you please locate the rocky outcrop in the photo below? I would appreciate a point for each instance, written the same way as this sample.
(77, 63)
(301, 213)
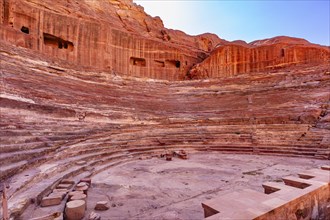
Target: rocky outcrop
(111, 36)
(119, 37)
(238, 57)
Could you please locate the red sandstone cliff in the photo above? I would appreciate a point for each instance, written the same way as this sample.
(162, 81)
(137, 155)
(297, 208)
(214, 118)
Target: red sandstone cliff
(264, 55)
(112, 36)
(117, 36)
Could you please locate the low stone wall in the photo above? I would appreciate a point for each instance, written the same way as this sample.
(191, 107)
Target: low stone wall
(306, 197)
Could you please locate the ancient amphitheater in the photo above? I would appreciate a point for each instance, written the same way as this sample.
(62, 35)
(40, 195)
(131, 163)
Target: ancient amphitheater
(97, 96)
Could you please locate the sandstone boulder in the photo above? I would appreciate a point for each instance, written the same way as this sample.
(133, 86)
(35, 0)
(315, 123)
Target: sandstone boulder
(101, 206)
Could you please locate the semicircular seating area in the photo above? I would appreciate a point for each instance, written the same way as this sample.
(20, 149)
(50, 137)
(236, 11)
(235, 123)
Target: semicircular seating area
(61, 123)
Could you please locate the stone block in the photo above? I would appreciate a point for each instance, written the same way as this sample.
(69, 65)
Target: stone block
(51, 200)
(101, 206)
(67, 181)
(325, 167)
(53, 216)
(83, 189)
(94, 216)
(80, 163)
(73, 193)
(60, 190)
(79, 196)
(55, 194)
(87, 180)
(63, 186)
(75, 210)
(82, 184)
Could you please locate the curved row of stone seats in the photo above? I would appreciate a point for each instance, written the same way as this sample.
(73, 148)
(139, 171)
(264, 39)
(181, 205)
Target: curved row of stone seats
(177, 138)
(53, 120)
(53, 171)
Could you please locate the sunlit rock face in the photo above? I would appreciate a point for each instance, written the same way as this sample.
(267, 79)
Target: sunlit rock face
(118, 36)
(266, 55)
(113, 36)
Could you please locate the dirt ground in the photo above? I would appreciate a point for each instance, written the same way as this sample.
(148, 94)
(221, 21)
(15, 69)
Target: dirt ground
(159, 189)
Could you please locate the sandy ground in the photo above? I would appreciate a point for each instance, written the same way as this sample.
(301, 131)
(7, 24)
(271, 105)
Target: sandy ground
(159, 189)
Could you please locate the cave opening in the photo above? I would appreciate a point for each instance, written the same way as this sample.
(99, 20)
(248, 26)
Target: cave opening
(282, 53)
(135, 61)
(25, 30)
(57, 42)
(173, 63)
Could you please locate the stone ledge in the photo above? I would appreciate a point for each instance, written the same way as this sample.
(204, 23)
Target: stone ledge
(280, 202)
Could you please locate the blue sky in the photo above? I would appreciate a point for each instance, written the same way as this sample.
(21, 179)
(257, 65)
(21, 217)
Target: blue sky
(244, 19)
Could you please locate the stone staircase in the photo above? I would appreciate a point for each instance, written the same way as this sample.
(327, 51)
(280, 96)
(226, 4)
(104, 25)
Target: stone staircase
(68, 123)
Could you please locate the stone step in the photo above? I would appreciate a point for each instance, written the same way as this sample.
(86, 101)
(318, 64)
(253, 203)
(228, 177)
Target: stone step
(231, 205)
(271, 187)
(296, 182)
(12, 169)
(325, 167)
(7, 158)
(316, 174)
(7, 148)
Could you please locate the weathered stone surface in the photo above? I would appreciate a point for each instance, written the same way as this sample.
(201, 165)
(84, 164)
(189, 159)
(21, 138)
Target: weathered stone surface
(82, 162)
(75, 209)
(69, 93)
(67, 181)
(87, 180)
(82, 188)
(53, 199)
(82, 184)
(271, 54)
(78, 197)
(123, 29)
(74, 193)
(63, 186)
(284, 201)
(94, 216)
(60, 190)
(53, 216)
(55, 194)
(102, 206)
(118, 31)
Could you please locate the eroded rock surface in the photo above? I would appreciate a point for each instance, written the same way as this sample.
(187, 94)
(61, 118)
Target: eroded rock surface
(118, 37)
(88, 85)
(265, 55)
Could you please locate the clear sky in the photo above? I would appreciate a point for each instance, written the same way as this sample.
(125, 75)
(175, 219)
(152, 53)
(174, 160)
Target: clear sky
(244, 19)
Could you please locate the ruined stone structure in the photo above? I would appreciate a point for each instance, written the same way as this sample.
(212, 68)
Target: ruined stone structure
(280, 200)
(87, 85)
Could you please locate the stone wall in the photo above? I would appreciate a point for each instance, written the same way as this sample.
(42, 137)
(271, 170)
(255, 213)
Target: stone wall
(306, 197)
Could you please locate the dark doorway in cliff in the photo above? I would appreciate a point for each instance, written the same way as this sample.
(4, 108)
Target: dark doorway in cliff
(135, 61)
(25, 30)
(282, 53)
(173, 63)
(57, 42)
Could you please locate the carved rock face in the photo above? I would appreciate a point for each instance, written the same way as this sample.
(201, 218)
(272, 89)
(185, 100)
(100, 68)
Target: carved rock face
(109, 35)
